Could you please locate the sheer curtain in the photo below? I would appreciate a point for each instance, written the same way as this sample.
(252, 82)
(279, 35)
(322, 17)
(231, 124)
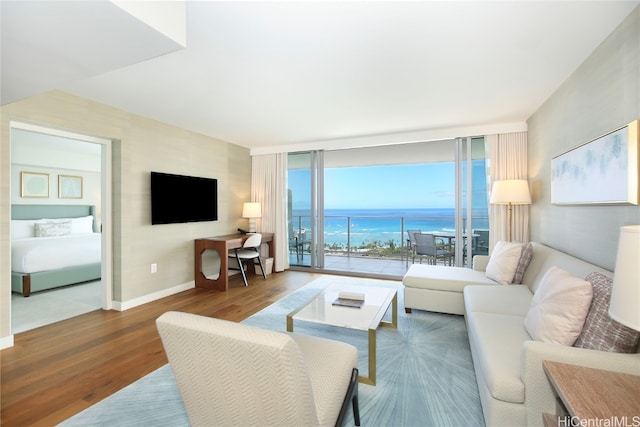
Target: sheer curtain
(269, 188)
(508, 161)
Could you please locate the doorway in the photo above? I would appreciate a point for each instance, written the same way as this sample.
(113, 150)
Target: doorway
(305, 184)
(68, 158)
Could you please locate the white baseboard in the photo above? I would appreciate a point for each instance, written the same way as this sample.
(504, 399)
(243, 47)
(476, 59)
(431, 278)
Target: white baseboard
(126, 305)
(6, 342)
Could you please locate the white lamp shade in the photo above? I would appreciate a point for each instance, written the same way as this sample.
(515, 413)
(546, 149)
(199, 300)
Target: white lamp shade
(251, 210)
(625, 295)
(510, 191)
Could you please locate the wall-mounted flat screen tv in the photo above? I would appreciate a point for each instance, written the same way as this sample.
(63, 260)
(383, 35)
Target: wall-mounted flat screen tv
(179, 198)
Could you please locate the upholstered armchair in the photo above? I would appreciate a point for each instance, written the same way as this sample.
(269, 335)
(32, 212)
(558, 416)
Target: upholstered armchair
(233, 374)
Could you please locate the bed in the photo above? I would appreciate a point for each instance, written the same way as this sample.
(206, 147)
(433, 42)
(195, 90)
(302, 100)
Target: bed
(66, 251)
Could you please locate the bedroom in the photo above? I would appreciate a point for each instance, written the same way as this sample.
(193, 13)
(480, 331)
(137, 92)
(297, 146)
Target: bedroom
(51, 172)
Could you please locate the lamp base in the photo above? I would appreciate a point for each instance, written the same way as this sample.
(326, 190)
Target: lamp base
(510, 221)
(252, 225)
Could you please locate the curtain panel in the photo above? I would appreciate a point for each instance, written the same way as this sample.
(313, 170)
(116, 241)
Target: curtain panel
(508, 154)
(269, 188)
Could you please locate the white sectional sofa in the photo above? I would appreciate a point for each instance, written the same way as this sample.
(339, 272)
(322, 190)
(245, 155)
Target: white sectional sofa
(513, 388)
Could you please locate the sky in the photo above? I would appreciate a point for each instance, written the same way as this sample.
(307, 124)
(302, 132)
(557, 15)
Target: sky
(384, 187)
(413, 186)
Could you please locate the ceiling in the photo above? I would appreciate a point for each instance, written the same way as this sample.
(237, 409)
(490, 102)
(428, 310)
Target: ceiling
(274, 74)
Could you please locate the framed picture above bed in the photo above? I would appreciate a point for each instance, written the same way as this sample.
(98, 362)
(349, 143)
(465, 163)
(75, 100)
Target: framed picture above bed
(69, 187)
(34, 184)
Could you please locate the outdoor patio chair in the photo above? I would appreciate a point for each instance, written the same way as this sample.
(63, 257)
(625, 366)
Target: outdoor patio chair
(426, 246)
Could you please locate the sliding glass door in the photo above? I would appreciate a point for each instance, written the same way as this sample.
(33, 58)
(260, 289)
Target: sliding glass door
(353, 208)
(472, 200)
(305, 201)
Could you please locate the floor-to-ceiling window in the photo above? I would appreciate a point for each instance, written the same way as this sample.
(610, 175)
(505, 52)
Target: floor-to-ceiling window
(372, 196)
(302, 208)
(472, 200)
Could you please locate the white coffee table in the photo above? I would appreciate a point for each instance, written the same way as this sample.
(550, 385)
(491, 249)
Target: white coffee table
(366, 318)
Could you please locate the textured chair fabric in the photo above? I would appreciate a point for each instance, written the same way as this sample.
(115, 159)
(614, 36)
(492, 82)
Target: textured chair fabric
(233, 374)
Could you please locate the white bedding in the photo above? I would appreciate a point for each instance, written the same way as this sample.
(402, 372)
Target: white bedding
(34, 254)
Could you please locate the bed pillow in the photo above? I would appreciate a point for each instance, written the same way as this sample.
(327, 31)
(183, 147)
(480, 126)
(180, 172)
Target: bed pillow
(53, 229)
(601, 332)
(22, 228)
(79, 225)
(523, 262)
(82, 225)
(503, 262)
(558, 308)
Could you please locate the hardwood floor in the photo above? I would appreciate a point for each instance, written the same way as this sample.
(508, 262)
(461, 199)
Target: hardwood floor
(58, 370)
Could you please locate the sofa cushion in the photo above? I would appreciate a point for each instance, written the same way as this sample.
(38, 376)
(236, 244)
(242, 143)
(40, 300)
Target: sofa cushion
(545, 257)
(496, 341)
(523, 262)
(504, 261)
(558, 308)
(513, 300)
(601, 332)
(438, 277)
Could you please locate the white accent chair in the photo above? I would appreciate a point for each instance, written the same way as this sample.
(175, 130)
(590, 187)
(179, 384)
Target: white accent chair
(249, 251)
(230, 374)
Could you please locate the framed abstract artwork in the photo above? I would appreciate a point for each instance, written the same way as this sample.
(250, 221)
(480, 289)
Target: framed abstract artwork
(34, 184)
(602, 171)
(69, 187)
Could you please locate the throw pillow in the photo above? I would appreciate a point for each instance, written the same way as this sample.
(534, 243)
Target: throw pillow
(53, 229)
(504, 261)
(558, 308)
(523, 262)
(79, 225)
(601, 332)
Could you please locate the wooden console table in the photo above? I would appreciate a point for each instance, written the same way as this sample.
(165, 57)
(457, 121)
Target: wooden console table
(222, 244)
(587, 395)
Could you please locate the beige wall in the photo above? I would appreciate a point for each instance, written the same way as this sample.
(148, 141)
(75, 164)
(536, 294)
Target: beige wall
(601, 96)
(140, 145)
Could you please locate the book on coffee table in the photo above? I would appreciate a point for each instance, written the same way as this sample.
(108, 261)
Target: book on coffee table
(349, 299)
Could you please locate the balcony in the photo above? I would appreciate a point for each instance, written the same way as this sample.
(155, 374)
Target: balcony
(369, 245)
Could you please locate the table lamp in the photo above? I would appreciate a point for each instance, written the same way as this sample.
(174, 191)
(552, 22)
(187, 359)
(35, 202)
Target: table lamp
(510, 192)
(625, 294)
(251, 210)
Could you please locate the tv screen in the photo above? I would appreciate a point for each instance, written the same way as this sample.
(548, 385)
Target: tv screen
(179, 198)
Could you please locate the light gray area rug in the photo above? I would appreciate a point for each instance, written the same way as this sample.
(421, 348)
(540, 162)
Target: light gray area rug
(51, 306)
(425, 375)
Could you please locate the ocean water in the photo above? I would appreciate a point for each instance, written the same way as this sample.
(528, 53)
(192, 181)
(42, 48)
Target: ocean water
(383, 227)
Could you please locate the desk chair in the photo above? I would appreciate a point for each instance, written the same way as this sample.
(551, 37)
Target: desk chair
(249, 251)
(230, 374)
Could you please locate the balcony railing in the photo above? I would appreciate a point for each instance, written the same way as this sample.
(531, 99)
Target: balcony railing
(372, 236)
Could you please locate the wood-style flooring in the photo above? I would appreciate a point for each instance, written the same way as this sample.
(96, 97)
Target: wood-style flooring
(56, 371)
